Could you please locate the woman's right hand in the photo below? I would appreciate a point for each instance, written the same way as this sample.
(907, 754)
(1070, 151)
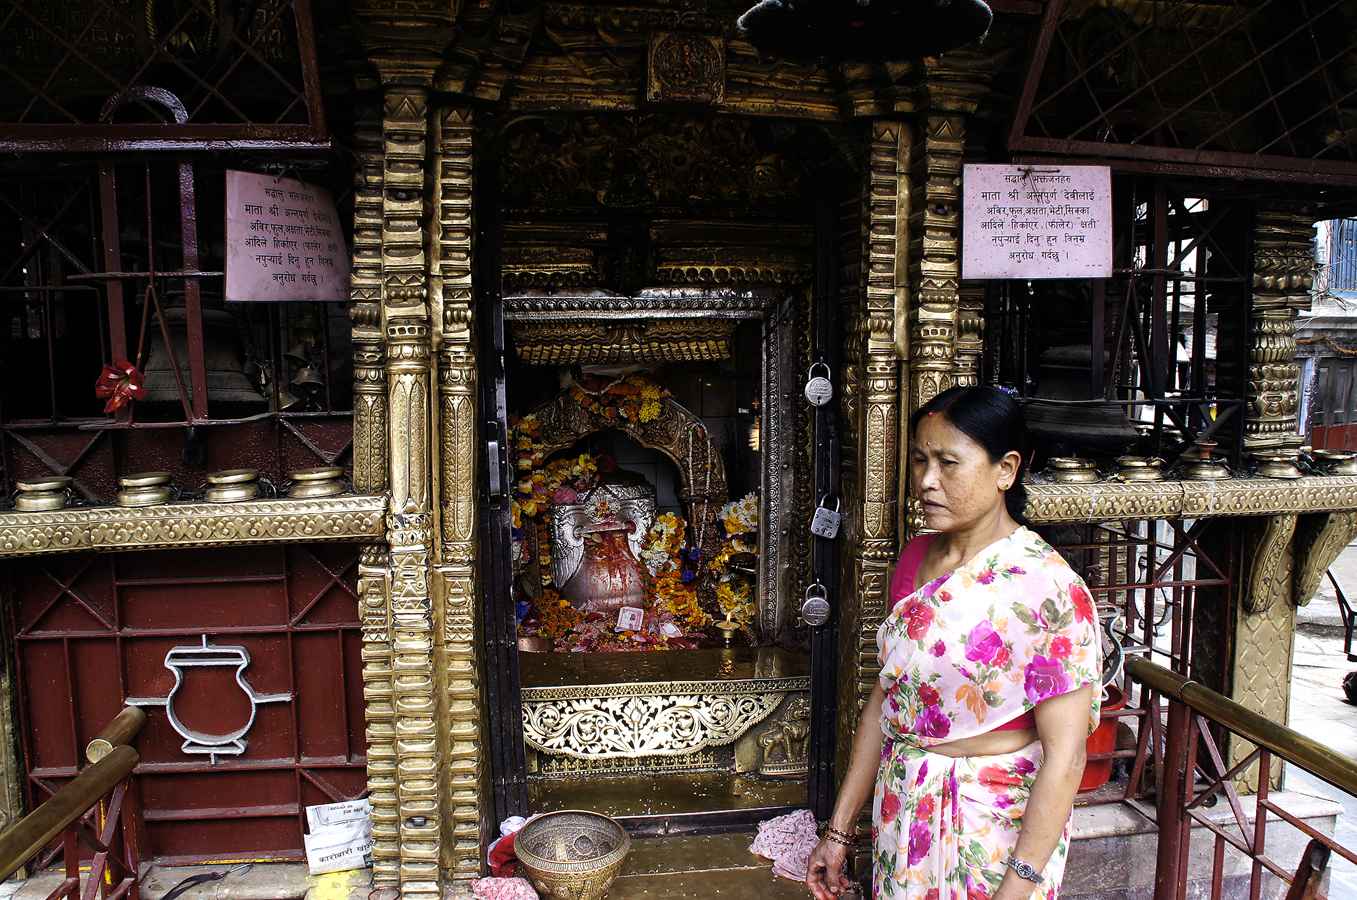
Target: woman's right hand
(825, 873)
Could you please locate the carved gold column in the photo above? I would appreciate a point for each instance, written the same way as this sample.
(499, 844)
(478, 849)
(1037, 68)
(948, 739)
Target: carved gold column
(1283, 272)
(458, 659)
(370, 477)
(970, 335)
(934, 258)
(406, 323)
(871, 403)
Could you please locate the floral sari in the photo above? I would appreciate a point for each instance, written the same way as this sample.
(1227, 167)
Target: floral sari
(961, 656)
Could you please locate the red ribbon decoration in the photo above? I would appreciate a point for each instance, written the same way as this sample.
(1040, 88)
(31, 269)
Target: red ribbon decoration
(119, 384)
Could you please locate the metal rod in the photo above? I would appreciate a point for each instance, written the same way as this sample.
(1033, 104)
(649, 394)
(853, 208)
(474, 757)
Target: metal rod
(1279, 740)
(20, 841)
(124, 727)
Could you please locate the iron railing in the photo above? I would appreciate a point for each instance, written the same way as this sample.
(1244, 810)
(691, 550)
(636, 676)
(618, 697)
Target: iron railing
(96, 808)
(1195, 768)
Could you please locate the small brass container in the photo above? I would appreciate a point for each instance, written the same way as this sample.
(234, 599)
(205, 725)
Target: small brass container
(572, 854)
(1140, 468)
(1207, 468)
(52, 492)
(1072, 470)
(1277, 465)
(232, 486)
(324, 481)
(1336, 462)
(144, 489)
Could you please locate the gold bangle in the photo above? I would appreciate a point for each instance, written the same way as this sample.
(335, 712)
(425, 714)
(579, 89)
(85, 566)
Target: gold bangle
(843, 834)
(833, 838)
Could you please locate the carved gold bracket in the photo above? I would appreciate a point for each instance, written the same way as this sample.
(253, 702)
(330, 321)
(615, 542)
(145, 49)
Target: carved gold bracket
(1319, 540)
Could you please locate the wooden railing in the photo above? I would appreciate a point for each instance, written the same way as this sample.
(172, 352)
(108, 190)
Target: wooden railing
(94, 808)
(1193, 775)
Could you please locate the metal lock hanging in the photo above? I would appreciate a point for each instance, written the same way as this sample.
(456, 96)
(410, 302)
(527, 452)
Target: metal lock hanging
(825, 523)
(815, 608)
(819, 389)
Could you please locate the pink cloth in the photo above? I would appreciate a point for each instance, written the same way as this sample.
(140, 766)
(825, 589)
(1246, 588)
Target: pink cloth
(503, 889)
(788, 841)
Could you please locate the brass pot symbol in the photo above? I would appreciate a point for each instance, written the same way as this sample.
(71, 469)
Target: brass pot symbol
(231, 743)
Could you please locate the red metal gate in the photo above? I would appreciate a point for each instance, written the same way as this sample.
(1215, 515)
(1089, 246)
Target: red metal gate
(91, 631)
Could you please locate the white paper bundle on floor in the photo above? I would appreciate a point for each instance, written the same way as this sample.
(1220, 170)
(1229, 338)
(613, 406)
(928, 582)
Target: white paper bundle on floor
(340, 836)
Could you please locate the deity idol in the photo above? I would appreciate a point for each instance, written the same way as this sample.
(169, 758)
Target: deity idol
(596, 546)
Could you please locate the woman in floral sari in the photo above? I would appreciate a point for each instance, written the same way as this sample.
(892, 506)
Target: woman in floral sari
(972, 744)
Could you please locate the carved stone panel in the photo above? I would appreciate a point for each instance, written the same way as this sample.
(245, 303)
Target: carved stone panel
(686, 68)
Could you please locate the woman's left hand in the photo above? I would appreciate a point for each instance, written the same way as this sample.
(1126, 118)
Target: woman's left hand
(825, 871)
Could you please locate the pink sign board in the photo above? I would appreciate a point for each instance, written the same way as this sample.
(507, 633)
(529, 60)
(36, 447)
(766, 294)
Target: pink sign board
(1036, 222)
(282, 241)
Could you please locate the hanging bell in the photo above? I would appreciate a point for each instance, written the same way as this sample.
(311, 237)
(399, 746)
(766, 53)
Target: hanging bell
(226, 379)
(307, 380)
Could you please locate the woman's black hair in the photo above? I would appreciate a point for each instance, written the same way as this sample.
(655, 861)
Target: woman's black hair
(992, 419)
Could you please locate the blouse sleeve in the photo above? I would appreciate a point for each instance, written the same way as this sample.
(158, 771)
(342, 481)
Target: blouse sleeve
(1064, 649)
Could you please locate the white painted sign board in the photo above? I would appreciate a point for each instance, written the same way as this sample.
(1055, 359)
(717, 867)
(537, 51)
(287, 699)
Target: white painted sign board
(283, 241)
(1029, 222)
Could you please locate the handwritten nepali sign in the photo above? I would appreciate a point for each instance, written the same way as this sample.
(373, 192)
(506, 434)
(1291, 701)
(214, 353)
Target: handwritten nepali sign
(1036, 222)
(283, 241)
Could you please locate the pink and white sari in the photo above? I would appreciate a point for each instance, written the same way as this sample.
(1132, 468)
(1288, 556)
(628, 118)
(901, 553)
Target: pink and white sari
(961, 656)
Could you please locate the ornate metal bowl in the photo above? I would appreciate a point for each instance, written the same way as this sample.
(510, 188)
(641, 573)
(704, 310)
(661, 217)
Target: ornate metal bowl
(572, 854)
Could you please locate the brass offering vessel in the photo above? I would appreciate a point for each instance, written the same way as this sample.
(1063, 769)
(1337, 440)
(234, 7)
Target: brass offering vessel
(1072, 470)
(1336, 462)
(232, 486)
(52, 492)
(144, 489)
(1279, 464)
(572, 854)
(323, 481)
(1205, 468)
(1140, 468)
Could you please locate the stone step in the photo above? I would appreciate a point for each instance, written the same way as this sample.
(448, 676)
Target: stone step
(709, 865)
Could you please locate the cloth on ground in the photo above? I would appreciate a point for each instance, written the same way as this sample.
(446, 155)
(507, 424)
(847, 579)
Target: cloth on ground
(788, 841)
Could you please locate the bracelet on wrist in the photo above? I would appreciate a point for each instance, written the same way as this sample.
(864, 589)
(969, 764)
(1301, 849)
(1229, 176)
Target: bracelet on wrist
(833, 838)
(845, 835)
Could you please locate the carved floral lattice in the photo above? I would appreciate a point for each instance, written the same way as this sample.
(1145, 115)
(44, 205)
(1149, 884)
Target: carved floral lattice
(615, 727)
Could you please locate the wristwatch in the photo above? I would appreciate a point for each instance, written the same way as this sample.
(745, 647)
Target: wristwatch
(1023, 870)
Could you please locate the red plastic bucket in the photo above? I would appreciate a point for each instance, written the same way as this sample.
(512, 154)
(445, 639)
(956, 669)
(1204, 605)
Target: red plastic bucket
(1102, 740)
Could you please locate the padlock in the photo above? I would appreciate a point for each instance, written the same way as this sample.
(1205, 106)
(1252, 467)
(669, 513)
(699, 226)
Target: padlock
(815, 608)
(819, 389)
(825, 523)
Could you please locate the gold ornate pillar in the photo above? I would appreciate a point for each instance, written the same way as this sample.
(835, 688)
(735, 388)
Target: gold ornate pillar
(871, 404)
(458, 660)
(970, 335)
(370, 477)
(406, 324)
(1283, 273)
(934, 257)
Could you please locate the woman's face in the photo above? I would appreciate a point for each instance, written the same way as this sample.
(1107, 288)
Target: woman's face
(953, 476)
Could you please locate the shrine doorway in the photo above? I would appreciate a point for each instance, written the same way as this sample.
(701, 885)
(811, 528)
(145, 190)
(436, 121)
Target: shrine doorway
(682, 699)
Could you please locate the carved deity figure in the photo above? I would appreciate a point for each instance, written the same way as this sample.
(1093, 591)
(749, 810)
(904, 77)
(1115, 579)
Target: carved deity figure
(596, 546)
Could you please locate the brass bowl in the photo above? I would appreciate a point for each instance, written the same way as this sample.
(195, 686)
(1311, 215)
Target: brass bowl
(1140, 468)
(144, 489)
(325, 481)
(572, 854)
(1205, 469)
(40, 495)
(232, 486)
(1337, 462)
(1277, 465)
